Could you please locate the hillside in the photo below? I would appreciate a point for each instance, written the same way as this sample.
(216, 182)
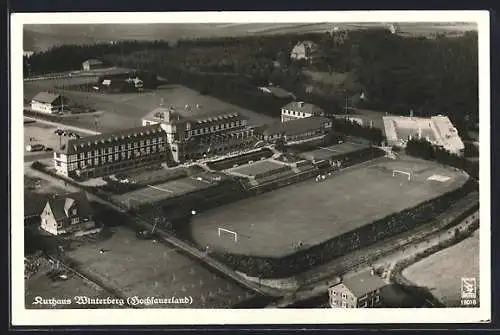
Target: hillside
(43, 37)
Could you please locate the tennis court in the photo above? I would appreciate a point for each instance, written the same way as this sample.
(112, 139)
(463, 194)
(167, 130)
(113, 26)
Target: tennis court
(257, 168)
(325, 153)
(163, 191)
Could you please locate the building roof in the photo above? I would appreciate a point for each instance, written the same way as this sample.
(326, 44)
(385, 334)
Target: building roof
(46, 97)
(193, 114)
(276, 91)
(60, 205)
(104, 140)
(297, 126)
(309, 44)
(304, 107)
(363, 283)
(93, 62)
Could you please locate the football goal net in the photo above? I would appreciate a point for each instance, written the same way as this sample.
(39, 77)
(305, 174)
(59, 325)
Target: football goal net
(223, 231)
(399, 172)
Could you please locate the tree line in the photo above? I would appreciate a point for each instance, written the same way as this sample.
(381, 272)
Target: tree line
(426, 150)
(396, 73)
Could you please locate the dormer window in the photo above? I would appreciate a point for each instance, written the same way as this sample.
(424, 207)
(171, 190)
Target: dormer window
(73, 211)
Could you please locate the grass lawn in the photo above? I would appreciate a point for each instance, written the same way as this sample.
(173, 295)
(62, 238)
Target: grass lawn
(147, 269)
(271, 224)
(441, 273)
(121, 111)
(43, 286)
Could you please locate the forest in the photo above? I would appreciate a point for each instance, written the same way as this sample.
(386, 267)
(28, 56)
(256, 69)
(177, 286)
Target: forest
(395, 73)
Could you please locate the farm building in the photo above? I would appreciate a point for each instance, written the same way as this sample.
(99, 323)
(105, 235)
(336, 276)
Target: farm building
(299, 110)
(49, 103)
(92, 64)
(437, 130)
(193, 133)
(305, 50)
(67, 214)
(297, 130)
(108, 153)
(359, 291)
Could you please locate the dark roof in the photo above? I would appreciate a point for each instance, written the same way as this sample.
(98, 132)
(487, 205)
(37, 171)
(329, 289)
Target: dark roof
(297, 126)
(363, 283)
(195, 115)
(58, 203)
(305, 107)
(103, 140)
(46, 97)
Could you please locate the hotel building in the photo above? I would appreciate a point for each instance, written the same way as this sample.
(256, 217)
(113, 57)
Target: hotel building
(105, 154)
(192, 133)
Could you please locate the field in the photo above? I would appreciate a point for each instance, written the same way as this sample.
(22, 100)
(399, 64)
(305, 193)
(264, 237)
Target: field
(273, 223)
(43, 286)
(325, 153)
(441, 273)
(147, 269)
(159, 192)
(121, 111)
(43, 37)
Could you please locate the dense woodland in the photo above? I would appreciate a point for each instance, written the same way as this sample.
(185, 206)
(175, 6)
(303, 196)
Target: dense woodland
(396, 73)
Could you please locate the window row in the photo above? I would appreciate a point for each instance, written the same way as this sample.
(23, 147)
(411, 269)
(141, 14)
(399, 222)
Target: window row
(110, 159)
(222, 126)
(111, 150)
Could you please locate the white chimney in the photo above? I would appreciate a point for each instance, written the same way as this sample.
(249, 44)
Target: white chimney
(372, 272)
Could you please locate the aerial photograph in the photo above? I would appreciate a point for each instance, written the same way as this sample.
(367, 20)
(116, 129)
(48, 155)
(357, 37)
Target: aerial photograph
(251, 165)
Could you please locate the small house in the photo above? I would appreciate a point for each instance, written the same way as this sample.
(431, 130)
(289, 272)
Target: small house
(305, 50)
(49, 103)
(66, 214)
(358, 291)
(92, 64)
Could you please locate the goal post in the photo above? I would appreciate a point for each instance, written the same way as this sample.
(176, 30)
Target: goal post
(406, 173)
(227, 231)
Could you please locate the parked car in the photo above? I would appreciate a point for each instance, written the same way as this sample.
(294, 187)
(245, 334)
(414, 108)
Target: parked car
(49, 149)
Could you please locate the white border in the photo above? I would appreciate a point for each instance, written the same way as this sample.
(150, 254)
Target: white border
(21, 316)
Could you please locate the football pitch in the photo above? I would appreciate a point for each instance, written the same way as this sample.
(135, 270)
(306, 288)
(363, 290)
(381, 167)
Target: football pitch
(311, 212)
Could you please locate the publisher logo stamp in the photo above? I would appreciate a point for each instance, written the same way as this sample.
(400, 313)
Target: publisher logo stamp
(469, 292)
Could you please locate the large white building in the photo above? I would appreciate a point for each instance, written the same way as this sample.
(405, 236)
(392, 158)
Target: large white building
(437, 130)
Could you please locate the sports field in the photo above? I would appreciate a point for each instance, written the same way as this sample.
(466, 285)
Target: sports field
(120, 111)
(325, 153)
(257, 168)
(144, 268)
(159, 192)
(273, 223)
(441, 273)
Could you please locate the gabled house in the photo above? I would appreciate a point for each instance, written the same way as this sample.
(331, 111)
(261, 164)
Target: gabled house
(359, 291)
(66, 214)
(49, 103)
(305, 50)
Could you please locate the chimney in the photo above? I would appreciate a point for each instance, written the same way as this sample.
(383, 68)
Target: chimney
(161, 102)
(372, 271)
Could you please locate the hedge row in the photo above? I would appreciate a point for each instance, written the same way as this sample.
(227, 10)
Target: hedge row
(458, 237)
(293, 264)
